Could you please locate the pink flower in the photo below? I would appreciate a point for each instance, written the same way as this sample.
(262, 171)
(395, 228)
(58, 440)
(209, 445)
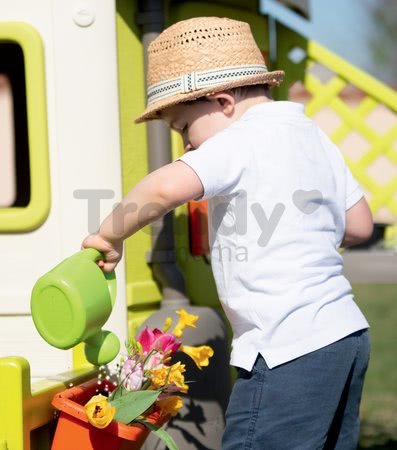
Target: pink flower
(132, 375)
(154, 361)
(156, 339)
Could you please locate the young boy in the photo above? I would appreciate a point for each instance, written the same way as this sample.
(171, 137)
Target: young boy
(281, 202)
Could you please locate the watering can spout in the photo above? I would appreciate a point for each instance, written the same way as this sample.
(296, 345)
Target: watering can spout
(72, 302)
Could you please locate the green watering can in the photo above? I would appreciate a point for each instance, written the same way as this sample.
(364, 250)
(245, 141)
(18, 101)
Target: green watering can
(71, 303)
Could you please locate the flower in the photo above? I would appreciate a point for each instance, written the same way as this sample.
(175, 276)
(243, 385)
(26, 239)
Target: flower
(147, 379)
(132, 375)
(156, 339)
(171, 377)
(200, 355)
(185, 320)
(154, 360)
(99, 412)
(170, 405)
(167, 324)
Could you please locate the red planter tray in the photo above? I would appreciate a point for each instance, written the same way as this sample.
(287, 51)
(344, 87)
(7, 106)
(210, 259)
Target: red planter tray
(74, 432)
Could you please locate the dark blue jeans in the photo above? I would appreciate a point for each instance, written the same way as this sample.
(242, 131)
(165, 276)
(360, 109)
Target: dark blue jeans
(309, 403)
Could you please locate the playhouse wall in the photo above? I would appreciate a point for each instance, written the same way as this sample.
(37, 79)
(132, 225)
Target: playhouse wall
(142, 292)
(79, 41)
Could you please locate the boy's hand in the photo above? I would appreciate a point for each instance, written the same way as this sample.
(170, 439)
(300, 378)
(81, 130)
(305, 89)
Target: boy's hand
(111, 250)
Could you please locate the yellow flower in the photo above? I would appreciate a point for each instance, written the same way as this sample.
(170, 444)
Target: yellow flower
(99, 412)
(200, 355)
(167, 324)
(170, 405)
(165, 376)
(159, 377)
(185, 320)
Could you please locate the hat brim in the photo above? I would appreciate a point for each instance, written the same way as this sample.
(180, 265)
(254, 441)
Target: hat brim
(153, 111)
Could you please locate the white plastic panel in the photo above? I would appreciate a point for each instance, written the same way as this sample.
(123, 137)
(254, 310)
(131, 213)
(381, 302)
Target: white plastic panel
(83, 131)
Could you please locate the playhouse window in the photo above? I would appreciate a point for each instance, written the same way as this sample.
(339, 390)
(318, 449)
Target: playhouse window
(25, 197)
(14, 147)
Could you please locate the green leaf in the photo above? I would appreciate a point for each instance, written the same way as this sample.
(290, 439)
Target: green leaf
(160, 433)
(132, 404)
(118, 392)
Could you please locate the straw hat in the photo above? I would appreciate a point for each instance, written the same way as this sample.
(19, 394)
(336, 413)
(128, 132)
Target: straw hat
(200, 56)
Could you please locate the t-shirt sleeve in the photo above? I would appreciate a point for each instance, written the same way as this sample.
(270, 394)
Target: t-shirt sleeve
(354, 192)
(219, 163)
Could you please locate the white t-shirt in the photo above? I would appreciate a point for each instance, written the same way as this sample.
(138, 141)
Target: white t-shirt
(278, 191)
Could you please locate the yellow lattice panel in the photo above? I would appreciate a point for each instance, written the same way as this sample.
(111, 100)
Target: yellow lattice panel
(360, 115)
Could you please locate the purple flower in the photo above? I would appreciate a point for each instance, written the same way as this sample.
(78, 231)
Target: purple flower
(132, 375)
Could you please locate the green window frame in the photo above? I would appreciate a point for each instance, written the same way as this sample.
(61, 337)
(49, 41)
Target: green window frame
(32, 215)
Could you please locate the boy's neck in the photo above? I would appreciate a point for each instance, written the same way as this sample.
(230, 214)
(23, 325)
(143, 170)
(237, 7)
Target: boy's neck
(244, 104)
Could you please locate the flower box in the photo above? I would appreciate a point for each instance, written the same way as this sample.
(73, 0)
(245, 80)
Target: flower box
(75, 432)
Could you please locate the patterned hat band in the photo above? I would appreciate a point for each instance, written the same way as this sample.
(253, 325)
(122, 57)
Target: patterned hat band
(199, 80)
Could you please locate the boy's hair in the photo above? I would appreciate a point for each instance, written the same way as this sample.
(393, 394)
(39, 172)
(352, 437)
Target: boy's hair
(240, 93)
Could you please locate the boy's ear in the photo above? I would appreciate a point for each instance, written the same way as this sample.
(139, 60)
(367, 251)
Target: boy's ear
(225, 100)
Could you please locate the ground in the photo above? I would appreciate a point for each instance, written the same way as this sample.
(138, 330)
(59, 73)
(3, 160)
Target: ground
(379, 403)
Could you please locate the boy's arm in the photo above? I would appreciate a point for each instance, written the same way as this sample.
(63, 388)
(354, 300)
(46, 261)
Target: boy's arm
(155, 195)
(359, 224)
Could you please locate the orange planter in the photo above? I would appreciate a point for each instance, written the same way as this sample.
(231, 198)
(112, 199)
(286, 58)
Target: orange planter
(75, 432)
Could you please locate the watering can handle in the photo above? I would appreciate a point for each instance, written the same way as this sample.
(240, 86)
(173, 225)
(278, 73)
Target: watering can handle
(93, 254)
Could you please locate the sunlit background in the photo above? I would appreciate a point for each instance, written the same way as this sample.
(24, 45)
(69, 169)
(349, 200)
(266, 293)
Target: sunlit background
(362, 31)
